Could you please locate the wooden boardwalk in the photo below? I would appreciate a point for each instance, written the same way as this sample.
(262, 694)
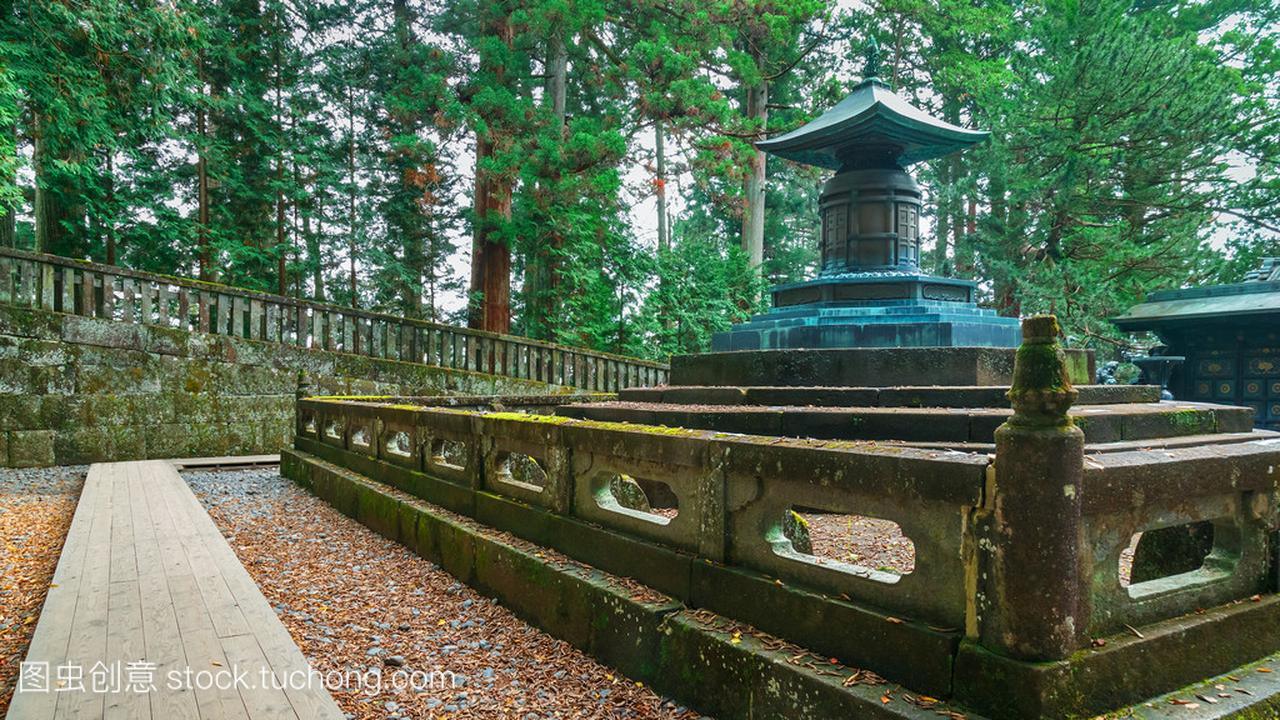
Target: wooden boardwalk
(153, 616)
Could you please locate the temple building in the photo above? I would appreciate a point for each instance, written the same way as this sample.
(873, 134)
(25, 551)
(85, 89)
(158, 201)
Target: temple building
(1230, 336)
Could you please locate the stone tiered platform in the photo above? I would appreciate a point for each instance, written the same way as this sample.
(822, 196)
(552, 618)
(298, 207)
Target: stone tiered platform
(936, 416)
(1019, 602)
(963, 415)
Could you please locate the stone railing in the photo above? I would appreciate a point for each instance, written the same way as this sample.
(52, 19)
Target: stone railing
(1017, 555)
(719, 502)
(1214, 502)
(75, 287)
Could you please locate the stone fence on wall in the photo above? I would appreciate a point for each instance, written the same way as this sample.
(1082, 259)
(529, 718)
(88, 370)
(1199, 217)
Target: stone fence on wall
(959, 625)
(101, 363)
(107, 292)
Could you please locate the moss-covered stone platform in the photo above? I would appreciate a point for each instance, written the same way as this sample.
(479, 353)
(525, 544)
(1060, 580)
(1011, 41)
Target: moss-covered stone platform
(1019, 602)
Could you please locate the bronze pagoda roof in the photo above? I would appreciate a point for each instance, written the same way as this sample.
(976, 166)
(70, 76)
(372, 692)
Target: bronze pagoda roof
(873, 122)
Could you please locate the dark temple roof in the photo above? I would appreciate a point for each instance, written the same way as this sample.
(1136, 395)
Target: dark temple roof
(872, 116)
(1258, 295)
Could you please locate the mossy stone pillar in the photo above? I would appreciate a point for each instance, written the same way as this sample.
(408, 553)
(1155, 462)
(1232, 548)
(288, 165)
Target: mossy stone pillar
(1030, 571)
(302, 391)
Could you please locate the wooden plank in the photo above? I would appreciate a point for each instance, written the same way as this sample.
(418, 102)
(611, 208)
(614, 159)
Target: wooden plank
(87, 644)
(164, 645)
(332, 330)
(53, 630)
(255, 320)
(121, 554)
(210, 703)
(126, 651)
(317, 328)
(239, 306)
(224, 612)
(130, 300)
(260, 700)
(223, 323)
(6, 280)
(26, 283)
(204, 652)
(271, 319)
(87, 304)
(278, 648)
(225, 460)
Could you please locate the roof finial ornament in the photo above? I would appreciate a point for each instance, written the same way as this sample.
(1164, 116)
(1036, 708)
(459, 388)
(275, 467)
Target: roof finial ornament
(871, 54)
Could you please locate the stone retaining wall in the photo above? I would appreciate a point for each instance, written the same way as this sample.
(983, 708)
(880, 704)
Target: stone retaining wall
(77, 390)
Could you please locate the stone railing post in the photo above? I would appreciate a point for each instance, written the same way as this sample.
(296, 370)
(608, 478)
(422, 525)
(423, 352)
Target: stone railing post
(1029, 602)
(303, 391)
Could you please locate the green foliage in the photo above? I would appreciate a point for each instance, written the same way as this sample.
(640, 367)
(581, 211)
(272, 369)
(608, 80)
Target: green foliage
(704, 285)
(323, 148)
(1115, 127)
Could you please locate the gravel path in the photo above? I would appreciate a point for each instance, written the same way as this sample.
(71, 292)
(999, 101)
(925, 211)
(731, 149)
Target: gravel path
(365, 606)
(36, 506)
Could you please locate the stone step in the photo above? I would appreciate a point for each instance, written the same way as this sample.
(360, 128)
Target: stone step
(863, 367)
(921, 396)
(1101, 423)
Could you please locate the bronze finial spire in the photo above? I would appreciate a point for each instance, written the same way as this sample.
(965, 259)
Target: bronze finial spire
(871, 54)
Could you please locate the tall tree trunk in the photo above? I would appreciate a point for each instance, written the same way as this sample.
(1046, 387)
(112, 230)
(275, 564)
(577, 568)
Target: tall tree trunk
(542, 273)
(351, 195)
(109, 222)
(491, 256)
(282, 275)
(44, 238)
(660, 184)
(411, 235)
(9, 210)
(202, 183)
(559, 78)
(753, 213)
(959, 241)
(51, 214)
(314, 258)
(942, 226)
(558, 91)
(282, 266)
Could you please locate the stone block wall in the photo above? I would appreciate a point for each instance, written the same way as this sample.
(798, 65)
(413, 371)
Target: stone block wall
(78, 390)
